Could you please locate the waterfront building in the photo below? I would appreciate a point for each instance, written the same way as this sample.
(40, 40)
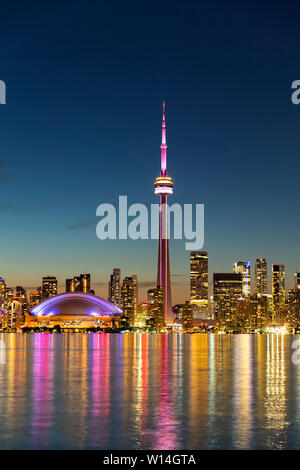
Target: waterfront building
(242, 312)
(49, 286)
(199, 285)
(253, 312)
(150, 324)
(129, 298)
(183, 315)
(264, 310)
(228, 287)
(9, 293)
(35, 297)
(156, 307)
(74, 311)
(243, 267)
(2, 289)
(261, 284)
(21, 292)
(21, 297)
(278, 291)
(294, 306)
(3, 299)
(114, 288)
(142, 313)
(199, 275)
(81, 283)
(3, 293)
(163, 186)
(14, 316)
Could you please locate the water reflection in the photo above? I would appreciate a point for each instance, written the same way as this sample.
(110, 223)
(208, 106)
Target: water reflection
(41, 399)
(276, 422)
(148, 391)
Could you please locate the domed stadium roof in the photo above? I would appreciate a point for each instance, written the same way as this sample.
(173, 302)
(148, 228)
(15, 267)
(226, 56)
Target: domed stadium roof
(75, 304)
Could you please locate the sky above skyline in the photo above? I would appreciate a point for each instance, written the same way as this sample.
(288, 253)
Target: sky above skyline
(85, 82)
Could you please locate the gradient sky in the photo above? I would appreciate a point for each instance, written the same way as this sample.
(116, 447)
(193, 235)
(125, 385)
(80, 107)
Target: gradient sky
(85, 82)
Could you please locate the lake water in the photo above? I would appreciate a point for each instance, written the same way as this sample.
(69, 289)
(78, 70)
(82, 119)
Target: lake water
(147, 391)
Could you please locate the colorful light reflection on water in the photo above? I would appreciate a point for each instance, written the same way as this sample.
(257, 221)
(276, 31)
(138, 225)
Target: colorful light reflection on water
(132, 391)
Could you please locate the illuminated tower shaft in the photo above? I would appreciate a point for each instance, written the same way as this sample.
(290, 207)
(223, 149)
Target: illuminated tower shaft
(164, 186)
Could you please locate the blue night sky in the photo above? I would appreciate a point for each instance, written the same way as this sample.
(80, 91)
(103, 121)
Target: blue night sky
(85, 82)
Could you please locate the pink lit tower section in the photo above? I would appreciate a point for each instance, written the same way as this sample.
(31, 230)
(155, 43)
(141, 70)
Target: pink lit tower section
(164, 187)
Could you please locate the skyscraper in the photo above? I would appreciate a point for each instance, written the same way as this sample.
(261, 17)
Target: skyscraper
(81, 283)
(156, 307)
(2, 288)
(278, 288)
(164, 186)
(297, 279)
(199, 275)
(129, 298)
(228, 287)
(199, 284)
(21, 292)
(142, 313)
(243, 267)
(3, 297)
(114, 288)
(261, 285)
(183, 314)
(49, 286)
(14, 315)
(35, 298)
(294, 305)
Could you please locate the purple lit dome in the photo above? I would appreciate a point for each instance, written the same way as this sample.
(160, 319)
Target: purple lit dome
(75, 304)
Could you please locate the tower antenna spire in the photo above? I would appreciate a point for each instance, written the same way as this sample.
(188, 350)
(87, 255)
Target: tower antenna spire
(163, 146)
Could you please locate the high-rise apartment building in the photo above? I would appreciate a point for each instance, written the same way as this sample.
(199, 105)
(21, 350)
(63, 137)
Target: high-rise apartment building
(114, 288)
(243, 267)
(35, 298)
(294, 306)
(156, 307)
(278, 290)
(3, 298)
(21, 292)
(129, 298)
(261, 284)
(183, 314)
(81, 283)
(49, 286)
(199, 275)
(228, 287)
(199, 284)
(9, 293)
(14, 315)
(264, 309)
(142, 313)
(2, 289)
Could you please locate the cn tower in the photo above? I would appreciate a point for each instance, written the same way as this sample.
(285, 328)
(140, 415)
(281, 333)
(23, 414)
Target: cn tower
(164, 186)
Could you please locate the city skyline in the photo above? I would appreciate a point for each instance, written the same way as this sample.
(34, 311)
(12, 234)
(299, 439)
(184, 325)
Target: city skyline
(149, 255)
(70, 144)
(61, 287)
(232, 308)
